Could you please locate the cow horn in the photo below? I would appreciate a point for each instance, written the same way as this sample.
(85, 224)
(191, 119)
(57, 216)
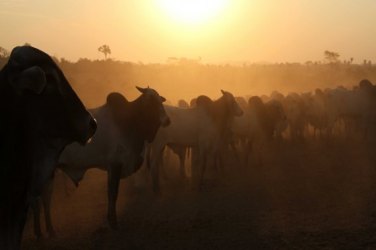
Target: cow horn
(142, 90)
(223, 92)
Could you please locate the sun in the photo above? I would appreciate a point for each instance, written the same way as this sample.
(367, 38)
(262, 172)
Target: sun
(192, 11)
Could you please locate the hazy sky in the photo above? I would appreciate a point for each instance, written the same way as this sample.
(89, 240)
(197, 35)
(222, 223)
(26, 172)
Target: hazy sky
(245, 30)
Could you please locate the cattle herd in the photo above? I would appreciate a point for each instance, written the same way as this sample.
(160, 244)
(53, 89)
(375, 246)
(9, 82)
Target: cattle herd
(45, 126)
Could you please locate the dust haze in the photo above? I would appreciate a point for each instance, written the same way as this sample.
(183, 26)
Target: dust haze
(316, 192)
(182, 78)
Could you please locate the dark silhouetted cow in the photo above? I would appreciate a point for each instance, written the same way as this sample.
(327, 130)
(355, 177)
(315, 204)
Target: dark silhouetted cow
(40, 115)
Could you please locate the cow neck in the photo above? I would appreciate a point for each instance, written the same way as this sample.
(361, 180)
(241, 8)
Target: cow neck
(137, 115)
(135, 127)
(221, 114)
(145, 119)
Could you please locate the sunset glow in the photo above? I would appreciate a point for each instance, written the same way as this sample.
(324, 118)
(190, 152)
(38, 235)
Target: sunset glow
(215, 30)
(192, 11)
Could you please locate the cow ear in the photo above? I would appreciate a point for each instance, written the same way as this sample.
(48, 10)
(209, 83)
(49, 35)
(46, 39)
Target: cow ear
(142, 90)
(32, 79)
(162, 99)
(223, 92)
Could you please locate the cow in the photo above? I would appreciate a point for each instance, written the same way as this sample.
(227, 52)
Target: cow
(276, 122)
(241, 101)
(40, 115)
(296, 114)
(181, 151)
(260, 124)
(249, 129)
(366, 96)
(118, 147)
(183, 103)
(203, 128)
(319, 113)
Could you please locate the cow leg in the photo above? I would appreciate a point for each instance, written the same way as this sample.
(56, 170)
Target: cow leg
(188, 157)
(244, 152)
(164, 164)
(236, 153)
(17, 222)
(248, 150)
(164, 160)
(157, 157)
(202, 166)
(182, 153)
(314, 133)
(114, 173)
(195, 161)
(218, 160)
(46, 199)
(18, 229)
(36, 214)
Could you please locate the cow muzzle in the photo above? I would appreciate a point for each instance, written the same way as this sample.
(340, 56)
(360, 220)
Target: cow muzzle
(88, 131)
(92, 128)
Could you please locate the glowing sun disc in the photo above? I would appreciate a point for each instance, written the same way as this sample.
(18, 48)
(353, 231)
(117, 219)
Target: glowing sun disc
(192, 11)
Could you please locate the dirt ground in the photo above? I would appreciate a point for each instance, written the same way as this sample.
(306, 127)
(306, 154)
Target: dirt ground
(309, 195)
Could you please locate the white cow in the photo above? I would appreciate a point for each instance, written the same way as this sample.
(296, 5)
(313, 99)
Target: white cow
(203, 128)
(119, 144)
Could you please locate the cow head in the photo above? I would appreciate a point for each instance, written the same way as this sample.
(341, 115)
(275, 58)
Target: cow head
(154, 102)
(183, 104)
(231, 104)
(46, 108)
(50, 105)
(275, 112)
(255, 103)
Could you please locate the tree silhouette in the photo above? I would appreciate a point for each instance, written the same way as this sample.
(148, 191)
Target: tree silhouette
(331, 57)
(105, 49)
(3, 53)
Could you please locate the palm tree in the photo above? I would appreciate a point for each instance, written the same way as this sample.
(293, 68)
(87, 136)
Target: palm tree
(105, 49)
(331, 57)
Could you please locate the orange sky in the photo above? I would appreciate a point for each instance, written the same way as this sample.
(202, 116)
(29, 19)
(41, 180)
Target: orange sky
(246, 30)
